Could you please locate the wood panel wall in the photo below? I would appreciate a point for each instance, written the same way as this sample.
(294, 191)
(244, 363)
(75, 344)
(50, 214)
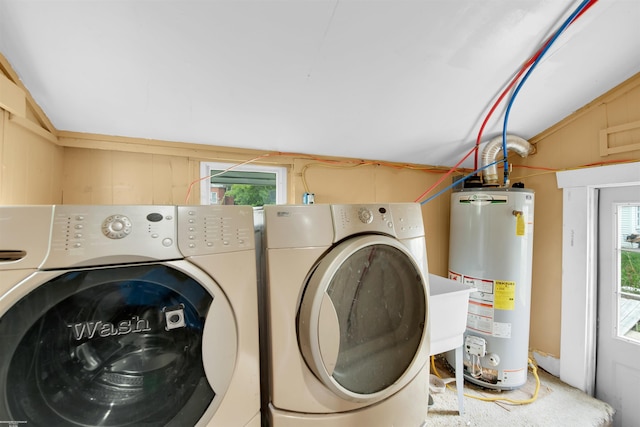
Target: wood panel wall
(117, 170)
(573, 142)
(31, 166)
(42, 166)
(31, 161)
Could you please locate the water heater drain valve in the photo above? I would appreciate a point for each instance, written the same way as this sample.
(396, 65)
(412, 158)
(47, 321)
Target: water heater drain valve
(475, 346)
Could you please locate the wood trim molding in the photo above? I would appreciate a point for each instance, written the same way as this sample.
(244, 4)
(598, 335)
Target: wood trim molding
(43, 120)
(31, 126)
(605, 150)
(12, 98)
(150, 146)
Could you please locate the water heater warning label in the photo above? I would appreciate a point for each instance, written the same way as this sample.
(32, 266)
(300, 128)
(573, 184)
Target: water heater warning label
(505, 295)
(480, 316)
(491, 295)
(520, 225)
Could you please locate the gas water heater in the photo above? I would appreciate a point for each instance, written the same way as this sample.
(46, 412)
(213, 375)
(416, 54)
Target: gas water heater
(491, 248)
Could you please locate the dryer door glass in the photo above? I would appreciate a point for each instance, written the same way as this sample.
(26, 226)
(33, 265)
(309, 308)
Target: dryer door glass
(371, 313)
(112, 347)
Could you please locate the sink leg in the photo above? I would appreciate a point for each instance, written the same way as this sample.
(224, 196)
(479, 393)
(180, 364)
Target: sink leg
(459, 380)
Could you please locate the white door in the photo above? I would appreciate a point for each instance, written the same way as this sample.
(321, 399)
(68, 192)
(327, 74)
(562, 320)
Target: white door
(618, 348)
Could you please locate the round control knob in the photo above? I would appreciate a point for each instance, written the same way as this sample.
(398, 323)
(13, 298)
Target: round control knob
(365, 215)
(116, 226)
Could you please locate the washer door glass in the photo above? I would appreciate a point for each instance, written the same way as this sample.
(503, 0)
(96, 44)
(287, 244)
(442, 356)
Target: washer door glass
(110, 347)
(362, 317)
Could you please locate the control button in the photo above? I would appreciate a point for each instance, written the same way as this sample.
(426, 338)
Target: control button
(77, 235)
(382, 210)
(154, 217)
(365, 215)
(155, 235)
(390, 224)
(79, 218)
(116, 227)
(192, 245)
(77, 245)
(78, 227)
(167, 242)
(209, 244)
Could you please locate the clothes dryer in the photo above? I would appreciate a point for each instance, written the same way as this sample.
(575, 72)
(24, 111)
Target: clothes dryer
(128, 316)
(345, 304)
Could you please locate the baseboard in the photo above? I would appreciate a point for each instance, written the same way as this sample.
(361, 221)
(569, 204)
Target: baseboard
(547, 362)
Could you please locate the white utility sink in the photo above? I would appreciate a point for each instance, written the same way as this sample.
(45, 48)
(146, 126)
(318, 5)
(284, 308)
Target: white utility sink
(448, 305)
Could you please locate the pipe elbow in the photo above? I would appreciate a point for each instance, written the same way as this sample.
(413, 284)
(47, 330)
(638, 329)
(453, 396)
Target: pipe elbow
(520, 146)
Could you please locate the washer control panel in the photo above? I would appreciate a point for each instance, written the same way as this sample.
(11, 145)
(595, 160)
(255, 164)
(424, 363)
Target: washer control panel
(102, 235)
(214, 229)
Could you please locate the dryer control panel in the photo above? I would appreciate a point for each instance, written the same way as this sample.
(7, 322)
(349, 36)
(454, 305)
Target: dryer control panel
(103, 235)
(401, 220)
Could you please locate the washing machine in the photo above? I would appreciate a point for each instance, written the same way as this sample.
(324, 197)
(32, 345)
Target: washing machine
(128, 316)
(345, 305)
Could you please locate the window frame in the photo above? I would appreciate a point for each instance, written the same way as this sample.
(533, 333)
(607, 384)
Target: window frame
(279, 171)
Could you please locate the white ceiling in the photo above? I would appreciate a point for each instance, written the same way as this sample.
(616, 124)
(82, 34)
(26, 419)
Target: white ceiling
(406, 81)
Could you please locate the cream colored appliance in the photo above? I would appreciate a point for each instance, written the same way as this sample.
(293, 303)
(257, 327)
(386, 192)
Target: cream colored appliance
(345, 302)
(128, 316)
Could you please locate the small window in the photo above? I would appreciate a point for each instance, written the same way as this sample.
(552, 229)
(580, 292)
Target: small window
(628, 248)
(251, 185)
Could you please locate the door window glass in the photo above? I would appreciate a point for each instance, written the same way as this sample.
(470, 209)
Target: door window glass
(379, 298)
(628, 248)
(115, 346)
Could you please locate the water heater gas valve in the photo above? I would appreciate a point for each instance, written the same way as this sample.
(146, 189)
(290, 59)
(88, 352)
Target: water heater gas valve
(475, 346)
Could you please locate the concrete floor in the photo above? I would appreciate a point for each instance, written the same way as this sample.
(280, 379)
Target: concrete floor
(557, 404)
